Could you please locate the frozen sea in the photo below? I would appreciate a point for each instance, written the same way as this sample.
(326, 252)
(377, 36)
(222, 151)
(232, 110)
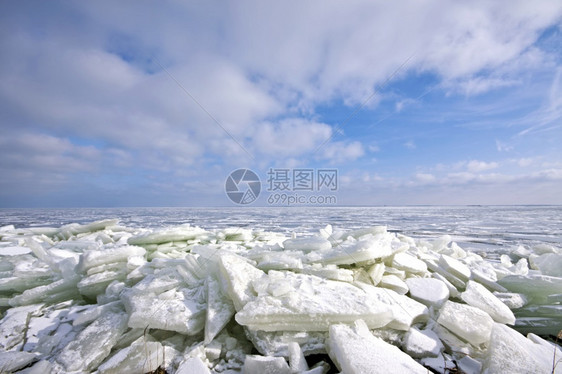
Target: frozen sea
(491, 229)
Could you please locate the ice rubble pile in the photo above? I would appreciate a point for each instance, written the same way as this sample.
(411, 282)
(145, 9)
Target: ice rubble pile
(109, 299)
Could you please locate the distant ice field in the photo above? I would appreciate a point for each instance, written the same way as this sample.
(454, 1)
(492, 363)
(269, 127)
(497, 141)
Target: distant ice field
(492, 229)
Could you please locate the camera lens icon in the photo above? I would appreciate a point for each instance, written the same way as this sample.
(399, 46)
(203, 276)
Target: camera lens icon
(242, 186)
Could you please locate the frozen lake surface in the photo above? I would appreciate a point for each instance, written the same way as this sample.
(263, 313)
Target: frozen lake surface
(478, 228)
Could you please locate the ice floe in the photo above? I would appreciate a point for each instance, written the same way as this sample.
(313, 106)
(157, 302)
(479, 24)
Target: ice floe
(111, 299)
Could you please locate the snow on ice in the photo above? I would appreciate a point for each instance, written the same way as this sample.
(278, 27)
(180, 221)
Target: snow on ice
(111, 299)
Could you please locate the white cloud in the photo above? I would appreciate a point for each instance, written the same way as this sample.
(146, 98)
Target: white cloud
(425, 177)
(524, 162)
(338, 152)
(410, 144)
(290, 137)
(503, 146)
(478, 166)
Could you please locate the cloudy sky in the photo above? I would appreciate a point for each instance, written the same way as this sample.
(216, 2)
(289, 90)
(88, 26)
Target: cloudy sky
(154, 103)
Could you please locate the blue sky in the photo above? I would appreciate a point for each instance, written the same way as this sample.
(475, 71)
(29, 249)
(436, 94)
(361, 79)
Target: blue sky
(413, 102)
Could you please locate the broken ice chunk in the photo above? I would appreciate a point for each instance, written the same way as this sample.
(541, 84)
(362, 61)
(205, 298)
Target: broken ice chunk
(142, 356)
(329, 272)
(479, 297)
(535, 287)
(96, 284)
(408, 263)
(14, 323)
(394, 283)
(239, 275)
(254, 364)
(453, 292)
(96, 257)
(297, 362)
(352, 251)
(449, 277)
(512, 300)
(376, 273)
(428, 291)
(307, 244)
(373, 230)
(219, 310)
(276, 343)
(455, 267)
(420, 344)
(93, 344)
(487, 281)
(193, 365)
(13, 360)
(511, 352)
(548, 264)
(40, 367)
(540, 325)
(356, 351)
(468, 322)
(176, 234)
(469, 365)
(405, 311)
(310, 303)
(40, 293)
(179, 309)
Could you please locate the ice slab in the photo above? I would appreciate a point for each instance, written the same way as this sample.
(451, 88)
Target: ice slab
(548, 264)
(455, 267)
(40, 367)
(239, 275)
(376, 273)
(394, 283)
(93, 344)
(14, 250)
(428, 291)
(178, 309)
(41, 293)
(356, 351)
(511, 299)
(220, 310)
(468, 322)
(329, 272)
(193, 365)
(297, 362)
(449, 277)
(511, 352)
(300, 302)
(424, 343)
(182, 233)
(307, 244)
(408, 263)
(97, 257)
(535, 286)
(96, 284)
(478, 296)
(469, 365)
(539, 325)
(14, 360)
(254, 364)
(405, 311)
(352, 251)
(486, 281)
(453, 292)
(142, 356)
(13, 325)
(276, 343)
